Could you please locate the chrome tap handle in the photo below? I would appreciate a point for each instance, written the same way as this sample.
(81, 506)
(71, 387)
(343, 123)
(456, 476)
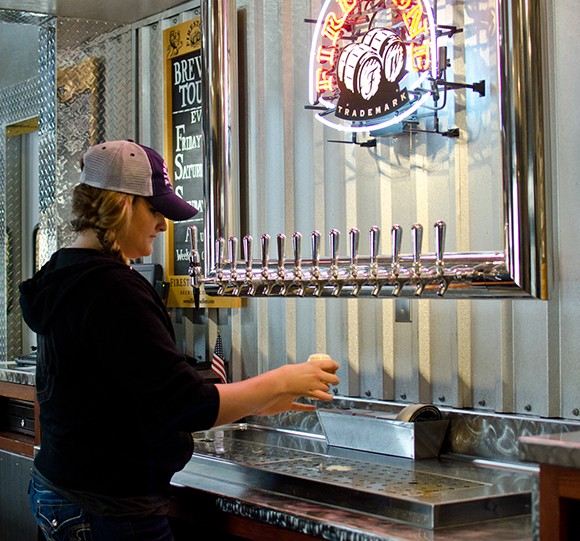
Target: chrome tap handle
(396, 239)
(417, 235)
(233, 250)
(194, 266)
(440, 228)
(333, 270)
(281, 245)
(219, 254)
(315, 243)
(194, 254)
(297, 247)
(219, 258)
(265, 249)
(247, 248)
(334, 241)
(354, 235)
(375, 237)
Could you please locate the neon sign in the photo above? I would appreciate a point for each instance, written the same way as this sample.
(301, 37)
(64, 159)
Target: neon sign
(369, 60)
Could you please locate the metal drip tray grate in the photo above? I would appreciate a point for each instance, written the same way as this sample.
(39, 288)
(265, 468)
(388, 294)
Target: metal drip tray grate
(344, 472)
(430, 493)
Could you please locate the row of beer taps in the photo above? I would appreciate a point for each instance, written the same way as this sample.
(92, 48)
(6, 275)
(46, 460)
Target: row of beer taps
(374, 275)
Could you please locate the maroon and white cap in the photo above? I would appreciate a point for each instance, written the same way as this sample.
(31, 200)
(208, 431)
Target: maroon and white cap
(127, 167)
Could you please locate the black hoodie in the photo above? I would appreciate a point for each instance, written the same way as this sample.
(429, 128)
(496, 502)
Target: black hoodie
(118, 401)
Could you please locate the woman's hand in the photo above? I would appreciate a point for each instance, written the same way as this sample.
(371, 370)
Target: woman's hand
(310, 379)
(276, 391)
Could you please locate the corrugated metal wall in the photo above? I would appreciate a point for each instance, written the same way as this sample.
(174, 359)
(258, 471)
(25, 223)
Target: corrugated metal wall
(489, 354)
(493, 355)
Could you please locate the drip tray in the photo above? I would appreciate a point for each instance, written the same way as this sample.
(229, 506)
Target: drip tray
(430, 493)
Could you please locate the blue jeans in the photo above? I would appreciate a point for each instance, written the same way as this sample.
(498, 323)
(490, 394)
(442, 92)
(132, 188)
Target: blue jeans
(61, 520)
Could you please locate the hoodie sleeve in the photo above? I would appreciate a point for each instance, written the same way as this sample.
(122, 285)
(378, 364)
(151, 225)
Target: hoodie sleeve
(136, 356)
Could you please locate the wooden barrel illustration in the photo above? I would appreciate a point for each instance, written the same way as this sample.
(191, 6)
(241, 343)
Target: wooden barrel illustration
(360, 69)
(390, 48)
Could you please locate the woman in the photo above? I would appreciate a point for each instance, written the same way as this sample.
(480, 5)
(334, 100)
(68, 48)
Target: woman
(118, 401)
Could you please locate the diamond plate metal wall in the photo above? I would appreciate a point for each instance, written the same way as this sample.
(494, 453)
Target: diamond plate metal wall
(13, 239)
(27, 99)
(95, 94)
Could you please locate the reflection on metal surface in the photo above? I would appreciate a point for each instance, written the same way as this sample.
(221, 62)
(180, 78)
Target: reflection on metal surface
(428, 493)
(524, 127)
(219, 87)
(520, 269)
(434, 275)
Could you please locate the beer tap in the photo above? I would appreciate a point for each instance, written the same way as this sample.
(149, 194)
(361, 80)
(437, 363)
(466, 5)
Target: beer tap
(265, 274)
(399, 275)
(219, 257)
(281, 245)
(333, 271)
(316, 275)
(297, 285)
(354, 236)
(233, 279)
(440, 228)
(249, 281)
(417, 236)
(374, 237)
(194, 266)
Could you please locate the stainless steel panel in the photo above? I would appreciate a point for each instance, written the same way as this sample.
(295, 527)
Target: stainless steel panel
(16, 518)
(428, 493)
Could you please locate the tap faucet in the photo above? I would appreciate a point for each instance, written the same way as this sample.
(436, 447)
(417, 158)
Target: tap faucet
(247, 242)
(265, 280)
(354, 237)
(281, 279)
(219, 258)
(399, 276)
(440, 228)
(417, 236)
(297, 285)
(194, 266)
(233, 284)
(374, 238)
(315, 274)
(333, 271)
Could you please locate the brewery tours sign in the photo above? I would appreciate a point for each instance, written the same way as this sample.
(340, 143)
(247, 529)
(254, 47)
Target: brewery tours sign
(184, 154)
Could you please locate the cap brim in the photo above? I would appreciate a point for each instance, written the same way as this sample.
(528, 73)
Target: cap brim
(172, 206)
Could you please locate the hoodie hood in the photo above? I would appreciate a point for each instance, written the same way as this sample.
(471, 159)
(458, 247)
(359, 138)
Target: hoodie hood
(68, 272)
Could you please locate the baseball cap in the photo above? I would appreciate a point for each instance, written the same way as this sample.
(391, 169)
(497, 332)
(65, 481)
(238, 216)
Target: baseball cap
(128, 167)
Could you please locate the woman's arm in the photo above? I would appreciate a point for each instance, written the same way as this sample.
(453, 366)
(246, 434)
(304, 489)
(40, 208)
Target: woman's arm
(275, 391)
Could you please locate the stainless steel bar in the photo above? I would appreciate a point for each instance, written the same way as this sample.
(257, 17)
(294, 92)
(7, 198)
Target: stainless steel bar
(524, 128)
(220, 98)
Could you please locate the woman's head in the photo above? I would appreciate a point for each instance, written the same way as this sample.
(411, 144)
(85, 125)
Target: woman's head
(130, 168)
(125, 225)
(123, 198)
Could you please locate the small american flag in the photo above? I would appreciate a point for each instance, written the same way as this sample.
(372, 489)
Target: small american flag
(218, 366)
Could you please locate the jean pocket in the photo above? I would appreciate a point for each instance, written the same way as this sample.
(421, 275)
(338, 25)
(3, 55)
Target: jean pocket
(59, 519)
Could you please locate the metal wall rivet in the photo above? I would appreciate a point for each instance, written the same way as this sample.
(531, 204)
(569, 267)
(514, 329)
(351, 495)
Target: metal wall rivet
(481, 403)
(576, 412)
(403, 396)
(528, 407)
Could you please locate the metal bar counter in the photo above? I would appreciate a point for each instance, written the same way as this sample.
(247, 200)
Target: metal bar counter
(298, 484)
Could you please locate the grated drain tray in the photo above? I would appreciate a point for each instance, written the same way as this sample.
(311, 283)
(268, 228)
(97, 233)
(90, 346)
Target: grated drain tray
(344, 472)
(430, 493)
